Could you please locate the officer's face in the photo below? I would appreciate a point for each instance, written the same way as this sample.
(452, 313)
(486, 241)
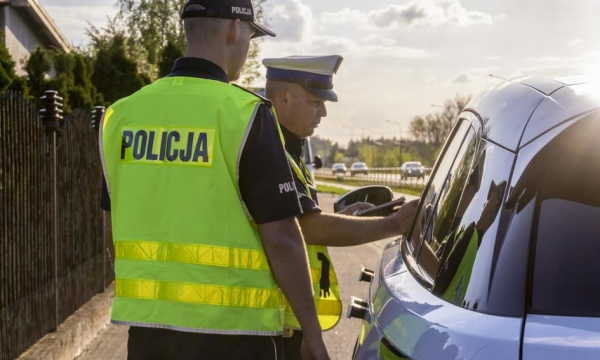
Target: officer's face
(305, 112)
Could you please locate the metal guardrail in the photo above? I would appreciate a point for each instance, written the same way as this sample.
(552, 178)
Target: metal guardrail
(375, 176)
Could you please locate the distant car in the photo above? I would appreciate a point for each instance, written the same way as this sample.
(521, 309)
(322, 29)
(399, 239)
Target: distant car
(338, 168)
(359, 168)
(411, 169)
(502, 256)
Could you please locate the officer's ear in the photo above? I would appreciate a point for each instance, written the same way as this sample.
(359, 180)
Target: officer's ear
(284, 95)
(234, 30)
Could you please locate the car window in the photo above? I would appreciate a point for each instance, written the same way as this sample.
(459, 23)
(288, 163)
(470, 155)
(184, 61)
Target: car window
(563, 178)
(461, 185)
(467, 254)
(566, 258)
(441, 177)
(567, 242)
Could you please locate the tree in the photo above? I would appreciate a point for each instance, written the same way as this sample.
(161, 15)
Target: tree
(74, 80)
(152, 24)
(169, 54)
(115, 74)
(153, 32)
(251, 71)
(7, 66)
(435, 127)
(37, 67)
(418, 129)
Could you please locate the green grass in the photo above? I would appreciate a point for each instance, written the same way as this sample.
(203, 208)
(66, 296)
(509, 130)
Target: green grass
(411, 189)
(414, 190)
(332, 190)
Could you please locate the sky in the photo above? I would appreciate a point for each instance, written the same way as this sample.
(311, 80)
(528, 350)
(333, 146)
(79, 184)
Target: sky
(403, 58)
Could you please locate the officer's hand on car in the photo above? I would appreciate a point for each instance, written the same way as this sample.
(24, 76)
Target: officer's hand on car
(351, 209)
(403, 217)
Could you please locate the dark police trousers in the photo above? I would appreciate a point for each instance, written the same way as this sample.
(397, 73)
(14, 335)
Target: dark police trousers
(159, 344)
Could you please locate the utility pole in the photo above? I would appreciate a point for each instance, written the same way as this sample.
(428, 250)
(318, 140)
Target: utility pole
(372, 148)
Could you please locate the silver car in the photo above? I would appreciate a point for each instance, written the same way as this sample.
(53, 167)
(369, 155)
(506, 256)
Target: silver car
(502, 259)
(359, 168)
(410, 169)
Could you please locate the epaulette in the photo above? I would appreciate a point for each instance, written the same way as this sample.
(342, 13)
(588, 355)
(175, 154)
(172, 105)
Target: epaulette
(264, 99)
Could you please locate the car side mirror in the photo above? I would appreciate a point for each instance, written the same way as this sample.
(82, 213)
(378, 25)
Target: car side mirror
(318, 163)
(374, 194)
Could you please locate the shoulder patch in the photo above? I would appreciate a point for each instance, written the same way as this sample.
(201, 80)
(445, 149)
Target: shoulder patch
(264, 99)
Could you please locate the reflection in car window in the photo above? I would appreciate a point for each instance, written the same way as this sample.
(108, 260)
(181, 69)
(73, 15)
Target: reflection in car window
(442, 243)
(439, 181)
(470, 271)
(476, 211)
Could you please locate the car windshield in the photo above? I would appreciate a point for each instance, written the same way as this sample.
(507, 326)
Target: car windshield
(414, 165)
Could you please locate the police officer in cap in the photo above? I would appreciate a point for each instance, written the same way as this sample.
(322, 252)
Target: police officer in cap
(204, 239)
(299, 86)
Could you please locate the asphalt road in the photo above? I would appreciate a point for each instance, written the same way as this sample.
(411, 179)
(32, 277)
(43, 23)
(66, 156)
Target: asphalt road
(111, 343)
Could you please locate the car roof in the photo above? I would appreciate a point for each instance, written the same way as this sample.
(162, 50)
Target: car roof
(517, 111)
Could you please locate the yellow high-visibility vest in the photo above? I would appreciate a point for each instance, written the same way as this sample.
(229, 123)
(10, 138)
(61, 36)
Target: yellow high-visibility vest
(187, 255)
(324, 280)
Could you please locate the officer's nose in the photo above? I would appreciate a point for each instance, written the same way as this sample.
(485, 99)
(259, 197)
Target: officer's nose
(322, 111)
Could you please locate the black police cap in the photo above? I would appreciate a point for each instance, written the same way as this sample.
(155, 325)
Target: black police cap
(227, 9)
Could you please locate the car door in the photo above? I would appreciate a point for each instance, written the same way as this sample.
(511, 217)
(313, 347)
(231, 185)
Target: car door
(446, 319)
(560, 178)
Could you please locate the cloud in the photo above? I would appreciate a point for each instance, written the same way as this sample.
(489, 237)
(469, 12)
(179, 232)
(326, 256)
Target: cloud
(428, 13)
(397, 52)
(556, 65)
(461, 79)
(576, 42)
(73, 20)
(291, 20)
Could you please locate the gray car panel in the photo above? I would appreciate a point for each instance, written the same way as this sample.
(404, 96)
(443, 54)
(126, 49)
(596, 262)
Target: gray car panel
(544, 85)
(505, 111)
(561, 337)
(422, 326)
(565, 104)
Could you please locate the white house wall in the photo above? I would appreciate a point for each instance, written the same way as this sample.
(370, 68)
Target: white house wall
(21, 38)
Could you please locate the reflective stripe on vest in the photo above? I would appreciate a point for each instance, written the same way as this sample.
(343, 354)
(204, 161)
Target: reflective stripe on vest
(191, 254)
(325, 286)
(197, 293)
(187, 256)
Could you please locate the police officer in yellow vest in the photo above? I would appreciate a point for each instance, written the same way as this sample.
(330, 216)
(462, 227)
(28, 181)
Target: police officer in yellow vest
(203, 208)
(299, 86)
